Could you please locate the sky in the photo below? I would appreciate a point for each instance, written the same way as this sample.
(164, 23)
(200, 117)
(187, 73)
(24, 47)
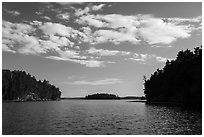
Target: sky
(85, 48)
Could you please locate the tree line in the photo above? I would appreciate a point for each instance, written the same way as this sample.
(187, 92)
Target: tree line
(179, 81)
(102, 96)
(18, 85)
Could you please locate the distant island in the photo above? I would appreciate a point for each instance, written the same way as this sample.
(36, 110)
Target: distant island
(20, 86)
(102, 96)
(105, 96)
(180, 81)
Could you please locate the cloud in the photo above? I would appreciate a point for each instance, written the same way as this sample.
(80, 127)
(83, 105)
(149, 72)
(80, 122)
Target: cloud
(107, 81)
(182, 20)
(50, 28)
(16, 38)
(35, 23)
(86, 10)
(145, 58)
(118, 28)
(115, 37)
(90, 20)
(38, 13)
(19, 37)
(155, 30)
(46, 17)
(7, 45)
(87, 63)
(74, 56)
(68, 3)
(97, 7)
(80, 12)
(60, 42)
(102, 52)
(63, 16)
(12, 12)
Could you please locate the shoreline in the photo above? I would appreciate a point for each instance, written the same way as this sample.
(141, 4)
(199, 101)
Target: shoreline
(28, 101)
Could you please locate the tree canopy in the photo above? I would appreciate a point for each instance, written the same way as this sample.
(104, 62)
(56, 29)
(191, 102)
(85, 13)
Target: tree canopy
(179, 81)
(18, 85)
(102, 96)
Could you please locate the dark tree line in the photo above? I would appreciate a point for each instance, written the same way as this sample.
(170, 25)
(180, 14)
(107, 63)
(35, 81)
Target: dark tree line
(179, 81)
(18, 85)
(102, 96)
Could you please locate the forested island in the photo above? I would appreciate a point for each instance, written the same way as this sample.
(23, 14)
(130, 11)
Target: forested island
(20, 86)
(102, 96)
(180, 81)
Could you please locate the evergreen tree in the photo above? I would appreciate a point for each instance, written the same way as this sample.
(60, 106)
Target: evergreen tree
(17, 85)
(179, 81)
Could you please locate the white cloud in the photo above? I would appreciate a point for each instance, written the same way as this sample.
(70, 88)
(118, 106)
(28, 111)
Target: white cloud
(107, 81)
(90, 20)
(80, 12)
(38, 13)
(156, 31)
(36, 23)
(86, 10)
(7, 45)
(97, 7)
(12, 12)
(41, 38)
(50, 28)
(145, 58)
(68, 3)
(182, 20)
(16, 38)
(63, 16)
(87, 63)
(102, 52)
(46, 17)
(74, 56)
(115, 37)
(118, 28)
(71, 54)
(62, 41)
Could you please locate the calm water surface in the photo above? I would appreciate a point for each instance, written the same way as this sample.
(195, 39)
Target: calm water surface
(97, 117)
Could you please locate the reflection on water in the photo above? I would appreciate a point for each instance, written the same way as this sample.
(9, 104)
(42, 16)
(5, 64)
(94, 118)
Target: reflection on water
(97, 117)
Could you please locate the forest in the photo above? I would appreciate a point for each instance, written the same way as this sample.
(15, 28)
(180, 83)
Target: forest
(102, 96)
(180, 80)
(20, 86)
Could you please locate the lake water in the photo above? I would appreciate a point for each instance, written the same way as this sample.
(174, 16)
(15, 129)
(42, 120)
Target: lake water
(97, 117)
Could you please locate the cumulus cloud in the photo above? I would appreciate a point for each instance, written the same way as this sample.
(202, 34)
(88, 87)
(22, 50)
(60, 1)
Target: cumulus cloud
(18, 37)
(7, 45)
(38, 13)
(43, 38)
(50, 28)
(90, 20)
(97, 7)
(63, 16)
(107, 81)
(156, 31)
(12, 12)
(80, 12)
(86, 10)
(118, 28)
(115, 37)
(145, 58)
